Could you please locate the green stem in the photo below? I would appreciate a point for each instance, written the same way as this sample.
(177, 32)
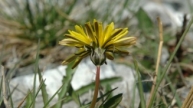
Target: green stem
(97, 81)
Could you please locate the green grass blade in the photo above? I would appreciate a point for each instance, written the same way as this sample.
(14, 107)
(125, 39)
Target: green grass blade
(139, 85)
(169, 62)
(29, 12)
(1, 98)
(43, 87)
(43, 90)
(45, 106)
(35, 73)
(10, 95)
(71, 7)
(36, 94)
(179, 103)
(34, 90)
(132, 105)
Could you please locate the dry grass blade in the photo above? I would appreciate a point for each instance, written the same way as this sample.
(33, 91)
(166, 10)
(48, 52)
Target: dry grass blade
(188, 103)
(20, 104)
(158, 58)
(5, 89)
(22, 101)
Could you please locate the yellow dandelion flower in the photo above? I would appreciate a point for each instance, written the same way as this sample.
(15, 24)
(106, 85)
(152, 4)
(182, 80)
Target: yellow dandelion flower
(97, 42)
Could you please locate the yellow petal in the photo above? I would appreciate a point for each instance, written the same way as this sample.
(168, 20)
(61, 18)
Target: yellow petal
(114, 33)
(114, 41)
(70, 42)
(79, 37)
(90, 32)
(80, 30)
(117, 37)
(128, 39)
(126, 42)
(99, 33)
(121, 34)
(101, 36)
(108, 31)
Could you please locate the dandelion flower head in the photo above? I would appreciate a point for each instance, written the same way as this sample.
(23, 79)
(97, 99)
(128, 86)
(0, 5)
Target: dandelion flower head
(97, 41)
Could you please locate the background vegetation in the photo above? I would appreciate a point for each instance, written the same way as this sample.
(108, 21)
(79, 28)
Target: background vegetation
(29, 35)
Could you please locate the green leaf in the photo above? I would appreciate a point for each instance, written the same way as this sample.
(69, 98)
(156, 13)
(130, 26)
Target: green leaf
(74, 95)
(82, 90)
(108, 88)
(86, 88)
(113, 102)
(103, 82)
(29, 99)
(66, 81)
(109, 95)
(144, 22)
(106, 94)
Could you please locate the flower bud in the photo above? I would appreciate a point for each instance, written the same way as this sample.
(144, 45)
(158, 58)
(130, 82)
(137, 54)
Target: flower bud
(98, 56)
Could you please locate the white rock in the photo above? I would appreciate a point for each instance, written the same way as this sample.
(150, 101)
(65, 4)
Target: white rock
(165, 12)
(84, 75)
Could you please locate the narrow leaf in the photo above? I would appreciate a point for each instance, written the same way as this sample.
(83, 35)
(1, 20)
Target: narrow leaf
(114, 101)
(66, 81)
